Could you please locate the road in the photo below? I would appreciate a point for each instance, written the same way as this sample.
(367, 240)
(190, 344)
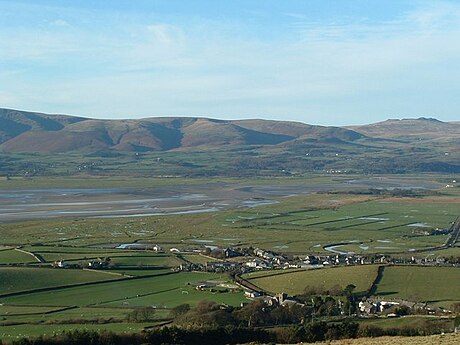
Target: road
(455, 228)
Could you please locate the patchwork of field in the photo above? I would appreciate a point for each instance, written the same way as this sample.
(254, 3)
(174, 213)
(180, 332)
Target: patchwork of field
(31, 292)
(437, 286)
(295, 282)
(73, 255)
(366, 226)
(289, 215)
(16, 279)
(359, 224)
(36, 299)
(163, 289)
(47, 301)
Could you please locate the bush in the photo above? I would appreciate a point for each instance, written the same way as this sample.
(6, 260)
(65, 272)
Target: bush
(370, 331)
(141, 315)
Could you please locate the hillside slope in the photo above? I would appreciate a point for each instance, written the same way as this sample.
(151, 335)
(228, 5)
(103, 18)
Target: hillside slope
(406, 128)
(34, 132)
(14, 122)
(42, 144)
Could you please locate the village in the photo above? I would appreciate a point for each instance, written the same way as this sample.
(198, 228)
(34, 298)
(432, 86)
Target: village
(253, 259)
(238, 261)
(244, 260)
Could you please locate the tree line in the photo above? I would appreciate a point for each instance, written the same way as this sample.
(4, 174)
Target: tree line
(310, 332)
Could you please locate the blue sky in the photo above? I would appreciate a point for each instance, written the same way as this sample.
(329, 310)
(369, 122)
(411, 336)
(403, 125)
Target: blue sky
(316, 61)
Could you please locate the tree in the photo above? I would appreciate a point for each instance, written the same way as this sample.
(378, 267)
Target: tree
(141, 315)
(403, 310)
(455, 307)
(348, 291)
(315, 331)
(254, 314)
(180, 310)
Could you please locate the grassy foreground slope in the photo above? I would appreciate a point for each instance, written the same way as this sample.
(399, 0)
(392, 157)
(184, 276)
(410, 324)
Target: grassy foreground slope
(446, 339)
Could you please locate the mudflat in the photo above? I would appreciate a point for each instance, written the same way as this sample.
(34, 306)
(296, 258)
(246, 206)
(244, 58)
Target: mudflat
(34, 204)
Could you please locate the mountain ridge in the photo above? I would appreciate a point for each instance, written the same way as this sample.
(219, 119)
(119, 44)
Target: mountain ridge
(24, 131)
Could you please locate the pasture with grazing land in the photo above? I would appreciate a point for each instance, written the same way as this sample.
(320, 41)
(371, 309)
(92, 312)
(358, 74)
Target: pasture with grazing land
(160, 289)
(294, 283)
(435, 285)
(15, 332)
(15, 279)
(13, 256)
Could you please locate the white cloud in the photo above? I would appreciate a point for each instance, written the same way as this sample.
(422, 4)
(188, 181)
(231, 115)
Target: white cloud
(61, 23)
(164, 33)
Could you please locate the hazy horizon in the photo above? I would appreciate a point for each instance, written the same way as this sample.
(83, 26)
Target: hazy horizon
(327, 63)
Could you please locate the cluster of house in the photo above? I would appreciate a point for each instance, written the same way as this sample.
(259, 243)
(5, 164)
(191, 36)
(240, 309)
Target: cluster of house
(369, 307)
(282, 299)
(260, 259)
(366, 308)
(377, 307)
(270, 260)
(357, 259)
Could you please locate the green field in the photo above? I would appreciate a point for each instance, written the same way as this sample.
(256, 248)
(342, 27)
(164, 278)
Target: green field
(12, 256)
(163, 290)
(62, 253)
(196, 258)
(27, 314)
(106, 304)
(369, 226)
(118, 259)
(14, 310)
(435, 285)
(10, 333)
(140, 259)
(14, 279)
(295, 282)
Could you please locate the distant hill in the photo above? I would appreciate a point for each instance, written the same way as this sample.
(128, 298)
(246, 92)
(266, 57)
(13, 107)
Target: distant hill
(41, 144)
(22, 131)
(14, 123)
(422, 127)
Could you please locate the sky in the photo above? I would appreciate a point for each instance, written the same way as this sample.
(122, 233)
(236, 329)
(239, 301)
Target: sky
(329, 62)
